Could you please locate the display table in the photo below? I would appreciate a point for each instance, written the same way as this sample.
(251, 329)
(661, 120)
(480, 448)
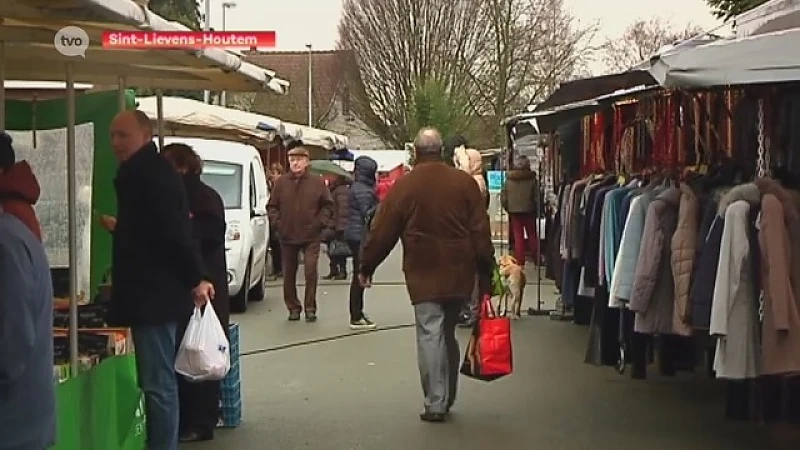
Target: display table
(102, 408)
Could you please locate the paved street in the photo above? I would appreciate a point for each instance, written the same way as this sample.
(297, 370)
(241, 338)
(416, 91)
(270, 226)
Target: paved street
(362, 391)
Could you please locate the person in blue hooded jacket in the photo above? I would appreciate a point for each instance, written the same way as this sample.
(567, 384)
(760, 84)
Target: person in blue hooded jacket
(362, 203)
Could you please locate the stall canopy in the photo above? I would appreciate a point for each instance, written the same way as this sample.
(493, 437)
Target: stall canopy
(759, 59)
(191, 118)
(312, 136)
(774, 15)
(28, 30)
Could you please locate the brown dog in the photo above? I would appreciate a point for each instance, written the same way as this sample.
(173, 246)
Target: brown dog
(514, 280)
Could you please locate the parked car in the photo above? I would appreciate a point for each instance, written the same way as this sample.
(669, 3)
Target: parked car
(236, 172)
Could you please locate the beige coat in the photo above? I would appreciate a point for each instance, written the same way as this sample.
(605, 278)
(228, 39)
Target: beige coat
(779, 236)
(683, 246)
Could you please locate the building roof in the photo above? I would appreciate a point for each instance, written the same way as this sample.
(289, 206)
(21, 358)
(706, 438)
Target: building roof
(327, 73)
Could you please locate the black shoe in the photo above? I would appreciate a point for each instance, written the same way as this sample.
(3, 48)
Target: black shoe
(432, 417)
(340, 276)
(467, 323)
(196, 436)
(329, 276)
(294, 316)
(311, 317)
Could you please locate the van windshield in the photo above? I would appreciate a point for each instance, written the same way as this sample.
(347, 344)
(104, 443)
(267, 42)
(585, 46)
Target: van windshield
(226, 179)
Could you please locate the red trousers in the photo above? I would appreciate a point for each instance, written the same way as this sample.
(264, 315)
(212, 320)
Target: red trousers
(522, 224)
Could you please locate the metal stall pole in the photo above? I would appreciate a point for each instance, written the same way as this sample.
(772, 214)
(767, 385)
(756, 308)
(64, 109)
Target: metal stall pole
(539, 311)
(72, 186)
(121, 100)
(3, 86)
(160, 116)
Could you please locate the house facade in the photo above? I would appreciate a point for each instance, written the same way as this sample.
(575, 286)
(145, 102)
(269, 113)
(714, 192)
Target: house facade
(330, 92)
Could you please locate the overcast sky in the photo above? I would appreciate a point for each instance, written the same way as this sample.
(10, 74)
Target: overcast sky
(301, 22)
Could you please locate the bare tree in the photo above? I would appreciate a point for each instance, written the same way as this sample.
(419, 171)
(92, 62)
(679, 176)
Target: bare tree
(529, 47)
(244, 101)
(641, 40)
(399, 45)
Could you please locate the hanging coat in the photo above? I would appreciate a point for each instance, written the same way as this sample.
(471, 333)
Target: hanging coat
(779, 236)
(653, 293)
(683, 249)
(734, 310)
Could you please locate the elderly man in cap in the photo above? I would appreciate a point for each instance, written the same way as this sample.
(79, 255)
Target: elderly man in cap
(300, 208)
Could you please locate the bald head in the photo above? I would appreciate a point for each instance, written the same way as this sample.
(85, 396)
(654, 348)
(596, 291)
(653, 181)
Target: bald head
(130, 131)
(428, 142)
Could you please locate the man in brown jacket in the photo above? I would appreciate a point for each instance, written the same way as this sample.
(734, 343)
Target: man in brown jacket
(439, 214)
(300, 208)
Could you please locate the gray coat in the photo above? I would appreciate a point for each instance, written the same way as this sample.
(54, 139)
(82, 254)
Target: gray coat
(27, 391)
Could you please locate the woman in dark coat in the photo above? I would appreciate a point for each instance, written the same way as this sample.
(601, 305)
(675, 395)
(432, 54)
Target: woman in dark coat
(199, 401)
(340, 187)
(362, 202)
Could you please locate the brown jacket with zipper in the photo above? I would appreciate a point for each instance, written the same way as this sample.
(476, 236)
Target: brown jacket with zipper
(439, 214)
(300, 208)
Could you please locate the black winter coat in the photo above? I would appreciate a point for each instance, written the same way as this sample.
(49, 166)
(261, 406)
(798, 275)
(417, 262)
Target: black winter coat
(208, 233)
(362, 198)
(155, 263)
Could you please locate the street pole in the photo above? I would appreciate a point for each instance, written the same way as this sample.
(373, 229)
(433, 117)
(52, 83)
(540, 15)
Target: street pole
(207, 27)
(310, 87)
(223, 100)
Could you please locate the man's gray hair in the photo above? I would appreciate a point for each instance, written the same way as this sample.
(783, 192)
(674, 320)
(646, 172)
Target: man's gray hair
(428, 142)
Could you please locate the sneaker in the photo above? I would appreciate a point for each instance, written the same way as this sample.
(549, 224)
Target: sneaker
(294, 316)
(311, 317)
(329, 276)
(340, 276)
(363, 324)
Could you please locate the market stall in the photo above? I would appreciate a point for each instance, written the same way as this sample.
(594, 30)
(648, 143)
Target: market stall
(100, 403)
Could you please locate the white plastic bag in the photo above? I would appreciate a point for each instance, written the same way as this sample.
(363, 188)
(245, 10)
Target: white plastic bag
(204, 354)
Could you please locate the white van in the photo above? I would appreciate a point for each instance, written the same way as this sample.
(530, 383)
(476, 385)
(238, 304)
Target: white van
(235, 171)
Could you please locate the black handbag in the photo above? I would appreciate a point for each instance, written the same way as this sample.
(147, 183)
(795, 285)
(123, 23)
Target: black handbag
(339, 249)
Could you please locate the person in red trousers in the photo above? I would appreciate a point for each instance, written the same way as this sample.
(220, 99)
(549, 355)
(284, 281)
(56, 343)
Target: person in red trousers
(520, 198)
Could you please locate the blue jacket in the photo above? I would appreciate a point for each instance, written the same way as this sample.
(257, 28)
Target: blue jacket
(362, 198)
(27, 391)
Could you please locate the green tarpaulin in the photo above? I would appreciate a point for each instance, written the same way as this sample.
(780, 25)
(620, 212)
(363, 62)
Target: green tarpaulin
(102, 409)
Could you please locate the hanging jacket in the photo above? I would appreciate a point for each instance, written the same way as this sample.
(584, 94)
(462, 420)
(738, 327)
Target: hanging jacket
(653, 293)
(701, 291)
(780, 271)
(683, 245)
(734, 311)
(362, 199)
(19, 191)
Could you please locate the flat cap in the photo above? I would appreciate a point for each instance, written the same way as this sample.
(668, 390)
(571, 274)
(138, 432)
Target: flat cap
(298, 151)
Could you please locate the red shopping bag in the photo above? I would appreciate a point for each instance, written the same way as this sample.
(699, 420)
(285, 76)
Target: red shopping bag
(488, 355)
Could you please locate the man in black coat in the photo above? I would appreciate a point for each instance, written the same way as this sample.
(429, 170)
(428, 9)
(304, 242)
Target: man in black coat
(156, 271)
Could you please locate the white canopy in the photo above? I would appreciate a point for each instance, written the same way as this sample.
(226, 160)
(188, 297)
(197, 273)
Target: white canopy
(314, 136)
(191, 118)
(758, 59)
(29, 52)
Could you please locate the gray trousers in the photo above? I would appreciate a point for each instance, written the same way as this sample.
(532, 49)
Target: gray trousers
(438, 353)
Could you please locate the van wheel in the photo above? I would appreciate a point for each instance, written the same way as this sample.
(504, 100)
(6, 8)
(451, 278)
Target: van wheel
(239, 301)
(258, 293)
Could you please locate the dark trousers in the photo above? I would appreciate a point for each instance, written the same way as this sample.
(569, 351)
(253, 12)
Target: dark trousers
(290, 253)
(338, 265)
(199, 401)
(275, 253)
(356, 291)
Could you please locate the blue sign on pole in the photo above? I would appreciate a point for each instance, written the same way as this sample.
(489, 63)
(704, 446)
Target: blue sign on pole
(496, 178)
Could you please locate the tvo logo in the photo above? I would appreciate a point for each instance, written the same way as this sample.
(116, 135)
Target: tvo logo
(71, 41)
